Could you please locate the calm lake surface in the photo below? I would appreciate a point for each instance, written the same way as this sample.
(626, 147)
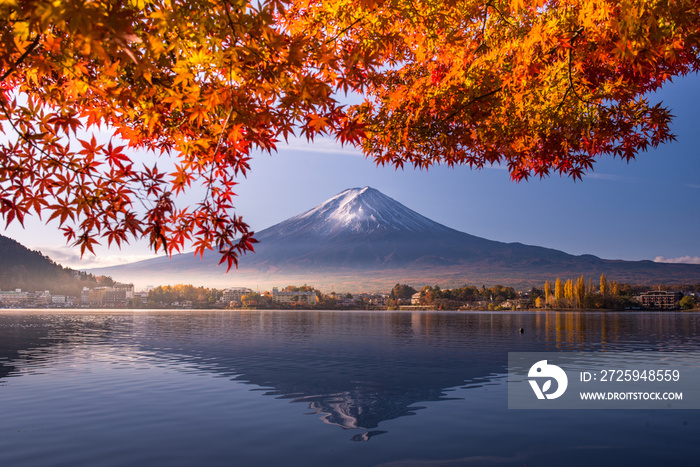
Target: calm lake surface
(287, 388)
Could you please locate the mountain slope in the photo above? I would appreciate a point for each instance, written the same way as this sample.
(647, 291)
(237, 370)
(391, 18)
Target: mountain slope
(22, 268)
(365, 238)
(361, 227)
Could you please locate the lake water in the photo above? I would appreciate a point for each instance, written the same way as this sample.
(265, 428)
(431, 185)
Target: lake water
(284, 388)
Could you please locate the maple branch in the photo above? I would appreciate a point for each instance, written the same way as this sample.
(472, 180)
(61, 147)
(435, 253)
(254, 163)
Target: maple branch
(472, 101)
(21, 58)
(230, 20)
(576, 34)
(78, 170)
(66, 166)
(566, 93)
(30, 142)
(228, 117)
(486, 18)
(334, 38)
(571, 82)
(490, 4)
(216, 151)
(417, 13)
(451, 115)
(573, 39)
(231, 24)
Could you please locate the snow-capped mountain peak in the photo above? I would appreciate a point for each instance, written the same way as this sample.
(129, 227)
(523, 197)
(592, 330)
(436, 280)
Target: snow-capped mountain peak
(358, 210)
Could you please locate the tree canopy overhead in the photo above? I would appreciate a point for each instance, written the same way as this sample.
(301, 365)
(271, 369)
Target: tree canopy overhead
(540, 86)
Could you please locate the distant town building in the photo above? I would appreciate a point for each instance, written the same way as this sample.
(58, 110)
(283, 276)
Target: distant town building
(15, 298)
(289, 298)
(660, 299)
(143, 296)
(114, 298)
(42, 299)
(378, 300)
(516, 304)
(96, 295)
(128, 290)
(415, 298)
(58, 299)
(118, 295)
(234, 295)
(85, 297)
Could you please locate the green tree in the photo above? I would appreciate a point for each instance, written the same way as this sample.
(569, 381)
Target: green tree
(687, 303)
(402, 291)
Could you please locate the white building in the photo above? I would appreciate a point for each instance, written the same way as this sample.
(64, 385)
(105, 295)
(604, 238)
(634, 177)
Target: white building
(14, 297)
(415, 298)
(289, 298)
(58, 299)
(234, 295)
(85, 296)
(42, 298)
(127, 288)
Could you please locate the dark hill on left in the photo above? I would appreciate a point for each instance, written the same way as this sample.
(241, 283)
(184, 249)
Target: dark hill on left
(22, 268)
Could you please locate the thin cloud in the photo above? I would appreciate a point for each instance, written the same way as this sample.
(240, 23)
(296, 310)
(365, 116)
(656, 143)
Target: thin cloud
(609, 177)
(680, 260)
(69, 257)
(320, 145)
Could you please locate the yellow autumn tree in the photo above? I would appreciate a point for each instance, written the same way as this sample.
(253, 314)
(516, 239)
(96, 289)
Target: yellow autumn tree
(614, 288)
(558, 292)
(569, 292)
(580, 292)
(603, 285)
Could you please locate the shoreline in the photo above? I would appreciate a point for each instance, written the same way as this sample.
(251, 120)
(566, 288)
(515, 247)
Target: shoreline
(326, 310)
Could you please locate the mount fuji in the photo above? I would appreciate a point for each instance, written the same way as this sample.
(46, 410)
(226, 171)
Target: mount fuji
(361, 239)
(363, 228)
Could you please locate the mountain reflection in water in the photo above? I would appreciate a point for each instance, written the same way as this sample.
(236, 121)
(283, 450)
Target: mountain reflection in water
(353, 369)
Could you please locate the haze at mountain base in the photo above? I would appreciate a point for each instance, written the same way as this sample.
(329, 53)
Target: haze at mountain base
(361, 239)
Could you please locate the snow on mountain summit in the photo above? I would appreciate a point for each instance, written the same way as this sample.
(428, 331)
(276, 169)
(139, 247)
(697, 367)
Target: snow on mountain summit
(358, 211)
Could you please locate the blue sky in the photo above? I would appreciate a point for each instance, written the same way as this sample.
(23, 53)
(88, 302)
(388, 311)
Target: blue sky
(646, 209)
